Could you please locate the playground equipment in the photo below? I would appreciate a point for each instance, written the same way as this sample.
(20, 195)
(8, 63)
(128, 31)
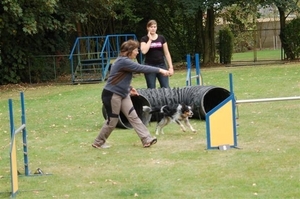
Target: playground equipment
(198, 76)
(91, 57)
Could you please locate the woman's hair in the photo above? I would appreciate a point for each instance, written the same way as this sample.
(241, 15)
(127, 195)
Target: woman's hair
(128, 46)
(151, 22)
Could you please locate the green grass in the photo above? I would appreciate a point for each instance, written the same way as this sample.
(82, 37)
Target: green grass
(262, 55)
(63, 120)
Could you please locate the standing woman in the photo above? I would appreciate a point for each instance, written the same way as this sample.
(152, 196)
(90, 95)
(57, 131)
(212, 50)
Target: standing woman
(116, 95)
(156, 51)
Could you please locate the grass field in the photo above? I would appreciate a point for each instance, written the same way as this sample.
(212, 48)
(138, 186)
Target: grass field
(262, 55)
(63, 120)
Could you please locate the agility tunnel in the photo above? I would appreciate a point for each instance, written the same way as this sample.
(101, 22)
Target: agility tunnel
(201, 98)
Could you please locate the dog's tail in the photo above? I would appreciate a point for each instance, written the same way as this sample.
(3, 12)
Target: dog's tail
(150, 110)
(155, 110)
(146, 109)
(164, 110)
(146, 116)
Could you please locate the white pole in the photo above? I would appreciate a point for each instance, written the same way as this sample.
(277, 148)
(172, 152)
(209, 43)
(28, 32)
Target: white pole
(267, 100)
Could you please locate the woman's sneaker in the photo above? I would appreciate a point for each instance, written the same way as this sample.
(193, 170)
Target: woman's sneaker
(150, 143)
(103, 146)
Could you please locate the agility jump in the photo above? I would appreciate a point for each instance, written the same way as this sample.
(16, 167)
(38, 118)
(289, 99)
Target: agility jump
(221, 121)
(13, 154)
(221, 132)
(13, 151)
(198, 76)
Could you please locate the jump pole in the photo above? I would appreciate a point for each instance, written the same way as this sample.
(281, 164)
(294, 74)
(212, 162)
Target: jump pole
(267, 100)
(22, 129)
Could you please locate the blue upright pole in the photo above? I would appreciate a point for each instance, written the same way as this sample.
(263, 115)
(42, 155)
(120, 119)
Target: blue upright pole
(25, 149)
(188, 77)
(231, 82)
(197, 63)
(233, 109)
(11, 118)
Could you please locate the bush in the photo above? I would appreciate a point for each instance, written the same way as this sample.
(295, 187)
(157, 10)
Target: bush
(292, 36)
(225, 45)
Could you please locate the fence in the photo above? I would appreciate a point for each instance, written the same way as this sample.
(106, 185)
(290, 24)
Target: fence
(47, 68)
(261, 46)
(266, 48)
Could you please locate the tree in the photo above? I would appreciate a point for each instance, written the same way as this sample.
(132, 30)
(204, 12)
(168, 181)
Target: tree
(100, 17)
(43, 27)
(292, 36)
(21, 24)
(204, 13)
(285, 7)
(225, 45)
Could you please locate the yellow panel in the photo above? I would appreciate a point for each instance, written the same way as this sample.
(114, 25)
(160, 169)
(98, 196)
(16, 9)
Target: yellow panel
(14, 169)
(221, 126)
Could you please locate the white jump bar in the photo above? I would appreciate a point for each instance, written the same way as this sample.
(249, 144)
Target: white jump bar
(20, 128)
(267, 100)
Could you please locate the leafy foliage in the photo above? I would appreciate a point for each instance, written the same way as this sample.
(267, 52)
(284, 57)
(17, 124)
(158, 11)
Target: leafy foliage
(240, 21)
(285, 7)
(27, 29)
(225, 45)
(292, 34)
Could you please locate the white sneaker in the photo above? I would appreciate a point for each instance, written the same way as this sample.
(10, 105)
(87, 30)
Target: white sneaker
(105, 146)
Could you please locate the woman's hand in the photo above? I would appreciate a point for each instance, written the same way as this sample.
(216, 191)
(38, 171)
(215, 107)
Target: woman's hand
(149, 36)
(133, 92)
(171, 71)
(164, 72)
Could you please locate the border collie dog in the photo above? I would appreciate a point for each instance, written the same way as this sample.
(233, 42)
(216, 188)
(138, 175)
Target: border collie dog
(179, 113)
